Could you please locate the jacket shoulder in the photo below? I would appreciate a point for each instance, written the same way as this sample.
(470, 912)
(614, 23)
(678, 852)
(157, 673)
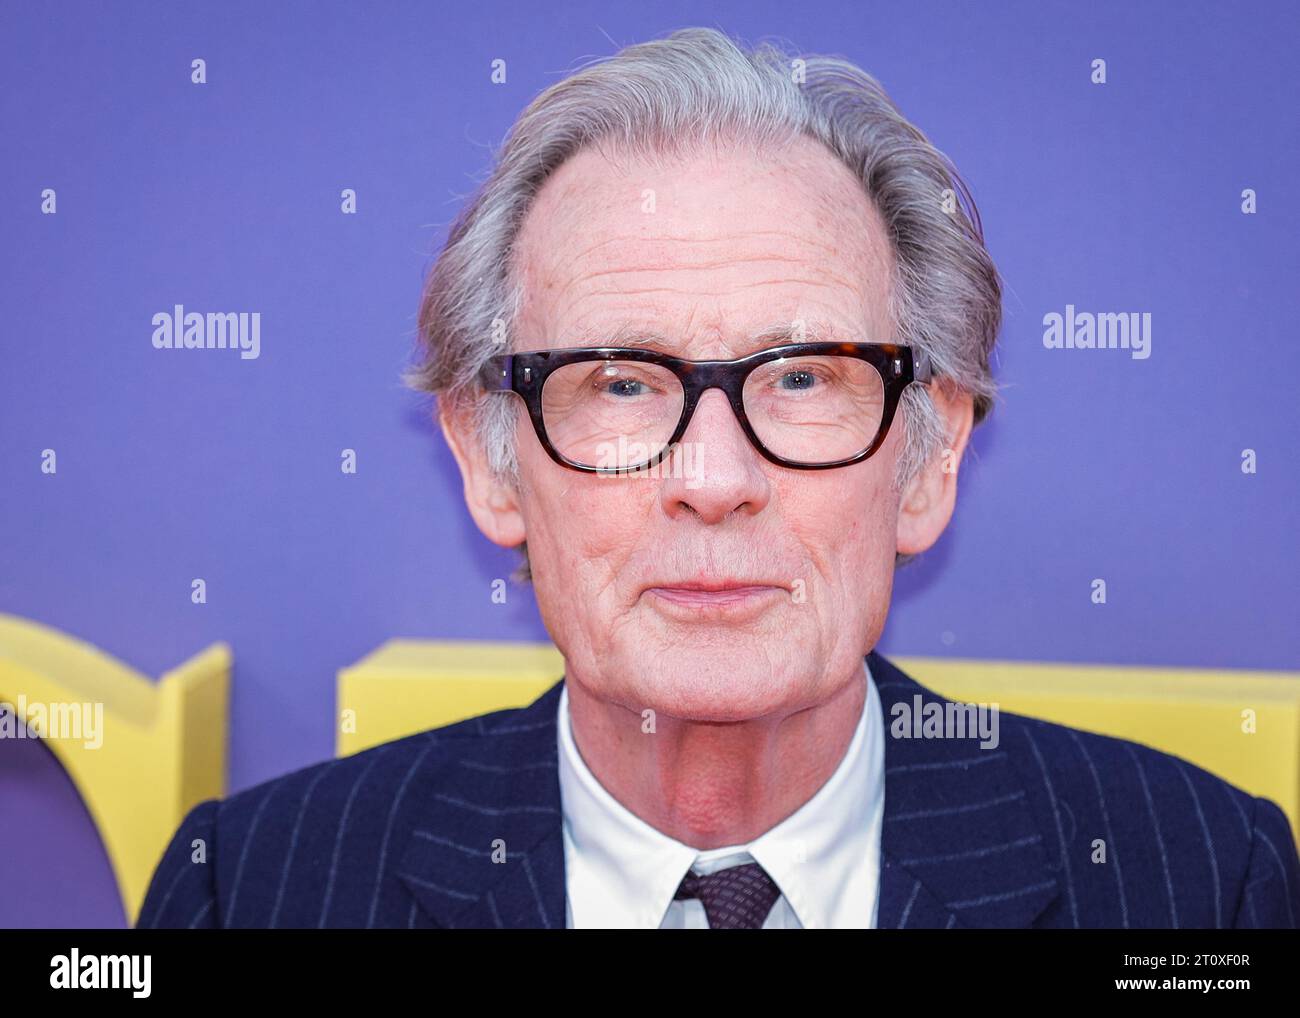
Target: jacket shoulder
(1146, 838)
(254, 857)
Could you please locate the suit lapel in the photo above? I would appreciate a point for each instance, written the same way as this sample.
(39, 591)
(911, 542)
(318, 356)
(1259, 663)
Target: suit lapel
(487, 847)
(959, 846)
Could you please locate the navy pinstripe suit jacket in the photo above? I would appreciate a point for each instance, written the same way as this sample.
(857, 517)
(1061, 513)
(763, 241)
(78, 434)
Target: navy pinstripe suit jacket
(404, 835)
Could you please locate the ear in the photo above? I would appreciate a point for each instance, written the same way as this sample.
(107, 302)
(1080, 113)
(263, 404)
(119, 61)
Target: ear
(928, 500)
(492, 501)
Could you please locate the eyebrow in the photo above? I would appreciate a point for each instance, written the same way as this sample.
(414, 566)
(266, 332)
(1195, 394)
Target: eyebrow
(776, 334)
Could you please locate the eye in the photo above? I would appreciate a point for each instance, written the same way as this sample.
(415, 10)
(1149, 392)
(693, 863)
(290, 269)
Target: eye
(625, 382)
(796, 380)
(625, 387)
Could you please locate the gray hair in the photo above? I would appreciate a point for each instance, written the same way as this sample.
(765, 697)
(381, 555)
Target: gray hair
(690, 88)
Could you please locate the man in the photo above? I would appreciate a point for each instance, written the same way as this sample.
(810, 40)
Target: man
(711, 341)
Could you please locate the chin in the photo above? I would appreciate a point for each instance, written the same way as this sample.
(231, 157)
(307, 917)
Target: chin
(723, 684)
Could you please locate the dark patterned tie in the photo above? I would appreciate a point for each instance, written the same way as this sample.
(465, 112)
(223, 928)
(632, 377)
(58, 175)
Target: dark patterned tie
(737, 898)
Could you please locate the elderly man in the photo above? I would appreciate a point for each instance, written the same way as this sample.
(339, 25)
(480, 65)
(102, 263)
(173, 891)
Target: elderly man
(711, 340)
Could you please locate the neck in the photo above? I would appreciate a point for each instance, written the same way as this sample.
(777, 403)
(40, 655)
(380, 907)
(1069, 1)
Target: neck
(708, 784)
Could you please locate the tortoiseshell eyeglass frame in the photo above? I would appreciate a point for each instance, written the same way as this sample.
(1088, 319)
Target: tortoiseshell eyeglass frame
(525, 374)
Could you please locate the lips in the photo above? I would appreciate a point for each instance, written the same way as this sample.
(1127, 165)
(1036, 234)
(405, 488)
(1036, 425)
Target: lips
(713, 586)
(718, 594)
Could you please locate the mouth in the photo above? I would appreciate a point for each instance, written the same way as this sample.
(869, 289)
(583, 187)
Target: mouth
(725, 599)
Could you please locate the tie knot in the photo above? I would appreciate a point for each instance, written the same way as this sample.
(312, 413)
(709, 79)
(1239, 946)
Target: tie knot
(737, 898)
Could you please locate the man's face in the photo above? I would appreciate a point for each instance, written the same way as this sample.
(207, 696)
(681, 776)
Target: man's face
(707, 252)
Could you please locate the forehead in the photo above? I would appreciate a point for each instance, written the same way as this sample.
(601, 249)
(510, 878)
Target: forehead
(721, 247)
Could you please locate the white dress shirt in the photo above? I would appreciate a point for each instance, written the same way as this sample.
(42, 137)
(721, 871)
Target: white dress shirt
(621, 873)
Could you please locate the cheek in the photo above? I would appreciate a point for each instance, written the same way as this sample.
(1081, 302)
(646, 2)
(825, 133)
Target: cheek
(847, 527)
(583, 527)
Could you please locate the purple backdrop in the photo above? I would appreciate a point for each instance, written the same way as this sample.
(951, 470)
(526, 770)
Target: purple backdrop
(225, 196)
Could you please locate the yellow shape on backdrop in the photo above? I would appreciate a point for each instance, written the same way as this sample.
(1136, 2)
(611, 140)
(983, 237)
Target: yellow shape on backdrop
(159, 747)
(1241, 725)
(406, 686)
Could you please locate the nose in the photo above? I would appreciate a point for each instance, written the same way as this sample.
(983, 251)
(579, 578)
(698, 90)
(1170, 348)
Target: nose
(717, 471)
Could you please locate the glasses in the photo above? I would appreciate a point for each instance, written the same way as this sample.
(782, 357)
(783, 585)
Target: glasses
(809, 406)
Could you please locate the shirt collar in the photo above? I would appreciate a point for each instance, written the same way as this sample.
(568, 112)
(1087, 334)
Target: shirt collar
(825, 857)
